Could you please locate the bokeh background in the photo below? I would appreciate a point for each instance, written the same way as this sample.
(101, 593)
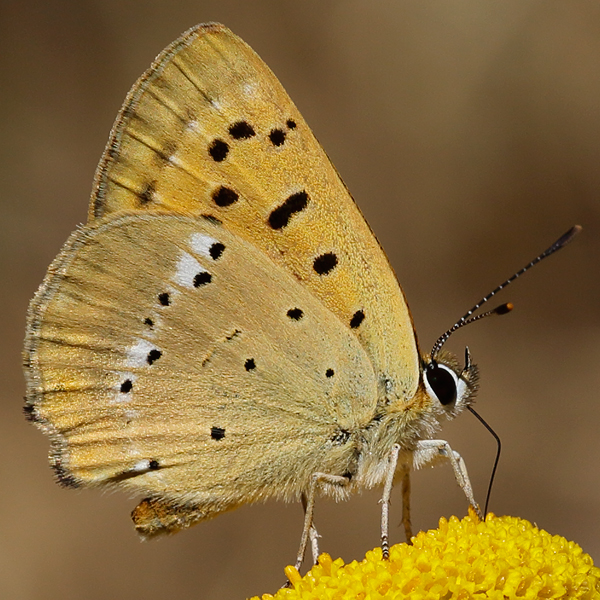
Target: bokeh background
(469, 134)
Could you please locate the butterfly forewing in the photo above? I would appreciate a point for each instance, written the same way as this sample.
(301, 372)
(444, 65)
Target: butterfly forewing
(210, 130)
(169, 355)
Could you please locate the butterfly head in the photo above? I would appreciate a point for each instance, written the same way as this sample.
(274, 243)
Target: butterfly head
(450, 387)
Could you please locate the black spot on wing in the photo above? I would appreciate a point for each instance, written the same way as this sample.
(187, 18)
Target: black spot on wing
(217, 433)
(139, 469)
(153, 356)
(295, 314)
(126, 386)
(357, 318)
(164, 299)
(250, 364)
(224, 196)
(202, 278)
(148, 321)
(241, 130)
(218, 150)
(281, 216)
(325, 263)
(291, 124)
(329, 373)
(216, 250)
(277, 137)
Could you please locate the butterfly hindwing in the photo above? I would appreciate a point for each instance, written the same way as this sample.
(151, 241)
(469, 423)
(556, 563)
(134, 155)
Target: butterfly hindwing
(168, 355)
(208, 129)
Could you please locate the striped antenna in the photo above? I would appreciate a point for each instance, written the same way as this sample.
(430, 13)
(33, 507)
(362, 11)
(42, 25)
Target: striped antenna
(503, 309)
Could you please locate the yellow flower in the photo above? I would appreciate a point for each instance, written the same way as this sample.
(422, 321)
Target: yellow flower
(500, 558)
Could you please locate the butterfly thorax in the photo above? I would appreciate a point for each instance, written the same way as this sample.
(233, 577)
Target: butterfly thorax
(406, 423)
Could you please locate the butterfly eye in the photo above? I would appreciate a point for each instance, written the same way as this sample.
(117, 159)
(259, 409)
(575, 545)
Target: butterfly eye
(441, 382)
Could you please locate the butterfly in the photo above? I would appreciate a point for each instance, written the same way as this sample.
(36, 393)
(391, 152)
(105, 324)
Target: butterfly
(226, 328)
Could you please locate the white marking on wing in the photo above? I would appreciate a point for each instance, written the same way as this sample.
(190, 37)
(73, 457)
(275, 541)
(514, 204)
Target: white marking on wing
(187, 269)
(137, 354)
(202, 243)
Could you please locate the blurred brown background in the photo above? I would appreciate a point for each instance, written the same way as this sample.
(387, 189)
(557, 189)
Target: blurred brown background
(469, 134)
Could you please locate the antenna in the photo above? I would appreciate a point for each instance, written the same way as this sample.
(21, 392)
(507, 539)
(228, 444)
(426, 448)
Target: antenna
(503, 309)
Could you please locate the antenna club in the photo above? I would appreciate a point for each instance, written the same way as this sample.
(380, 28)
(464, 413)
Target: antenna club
(567, 237)
(504, 309)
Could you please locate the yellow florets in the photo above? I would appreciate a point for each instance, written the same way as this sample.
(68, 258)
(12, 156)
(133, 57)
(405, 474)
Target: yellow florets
(500, 558)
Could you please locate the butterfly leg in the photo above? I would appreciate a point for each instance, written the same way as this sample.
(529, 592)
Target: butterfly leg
(405, 470)
(385, 500)
(315, 480)
(431, 451)
(313, 535)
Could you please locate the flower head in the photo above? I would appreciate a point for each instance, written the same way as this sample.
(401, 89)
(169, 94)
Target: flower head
(499, 558)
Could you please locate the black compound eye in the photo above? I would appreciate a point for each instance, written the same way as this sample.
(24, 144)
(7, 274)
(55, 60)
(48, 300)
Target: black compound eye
(442, 383)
